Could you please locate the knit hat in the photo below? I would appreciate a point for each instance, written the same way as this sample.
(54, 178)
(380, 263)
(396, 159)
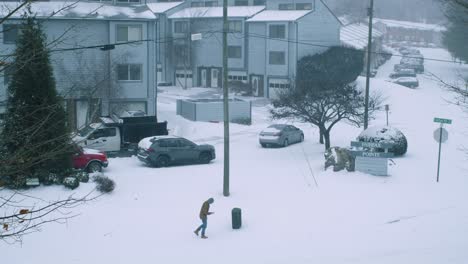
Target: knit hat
(210, 201)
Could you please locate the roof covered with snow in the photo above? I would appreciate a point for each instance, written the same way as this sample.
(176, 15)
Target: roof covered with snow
(217, 12)
(79, 10)
(279, 15)
(410, 25)
(159, 8)
(356, 35)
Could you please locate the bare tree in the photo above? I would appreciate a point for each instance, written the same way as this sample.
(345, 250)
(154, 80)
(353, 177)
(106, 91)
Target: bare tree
(323, 109)
(23, 214)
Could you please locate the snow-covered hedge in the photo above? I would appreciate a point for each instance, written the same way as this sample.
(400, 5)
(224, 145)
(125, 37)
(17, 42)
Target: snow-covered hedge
(104, 184)
(71, 182)
(384, 134)
(82, 176)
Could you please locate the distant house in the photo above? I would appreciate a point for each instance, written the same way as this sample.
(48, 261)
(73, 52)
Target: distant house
(265, 42)
(356, 36)
(411, 32)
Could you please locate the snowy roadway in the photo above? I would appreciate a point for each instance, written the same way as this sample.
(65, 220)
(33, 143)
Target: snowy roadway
(287, 217)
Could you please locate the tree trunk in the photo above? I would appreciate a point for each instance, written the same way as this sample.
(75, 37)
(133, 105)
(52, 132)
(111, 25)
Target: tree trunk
(326, 135)
(321, 132)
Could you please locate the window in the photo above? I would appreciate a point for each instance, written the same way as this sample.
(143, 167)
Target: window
(128, 1)
(185, 143)
(129, 33)
(277, 58)
(278, 31)
(286, 6)
(279, 85)
(234, 52)
(304, 6)
(129, 72)
(235, 26)
(180, 27)
(211, 3)
(10, 33)
(168, 143)
(103, 132)
(259, 2)
(7, 74)
(241, 3)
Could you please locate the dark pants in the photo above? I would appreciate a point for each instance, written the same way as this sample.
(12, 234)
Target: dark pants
(203, 226)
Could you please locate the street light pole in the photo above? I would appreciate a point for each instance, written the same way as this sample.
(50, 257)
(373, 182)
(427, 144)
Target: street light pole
(369, 53)
(226, 100)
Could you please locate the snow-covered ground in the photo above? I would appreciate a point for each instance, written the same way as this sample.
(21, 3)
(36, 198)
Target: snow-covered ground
(291, 213)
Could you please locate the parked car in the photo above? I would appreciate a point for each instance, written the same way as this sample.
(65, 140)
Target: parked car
(280, 135)
(410, 82)
(89, 159)
(418, 68)
(163, 151)
(403, 73)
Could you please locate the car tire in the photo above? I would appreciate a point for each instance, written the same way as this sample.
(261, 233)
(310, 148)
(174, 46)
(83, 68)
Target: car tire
(285, 143)
(205, 158)
(264, 145)
(162, 161)
(94, 167)
(302, 138)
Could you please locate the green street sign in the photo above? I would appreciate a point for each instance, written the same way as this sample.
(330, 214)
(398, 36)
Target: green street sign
(442, 120)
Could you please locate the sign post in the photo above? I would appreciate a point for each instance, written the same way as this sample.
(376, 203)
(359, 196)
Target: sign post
(441, 135)
(387, 108)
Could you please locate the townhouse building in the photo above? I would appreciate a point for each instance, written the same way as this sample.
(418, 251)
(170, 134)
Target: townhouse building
(168, 42)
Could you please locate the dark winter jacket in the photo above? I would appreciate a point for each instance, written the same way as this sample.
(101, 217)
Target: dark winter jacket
(205, 210)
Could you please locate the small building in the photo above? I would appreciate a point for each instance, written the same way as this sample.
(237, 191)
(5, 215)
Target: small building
(211, 110)
(416, 34)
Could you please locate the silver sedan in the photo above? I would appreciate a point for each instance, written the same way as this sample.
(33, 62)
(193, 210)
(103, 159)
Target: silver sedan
(280, 135)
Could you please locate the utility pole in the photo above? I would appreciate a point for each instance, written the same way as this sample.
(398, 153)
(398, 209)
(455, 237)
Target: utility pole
(226, 100)
(369, 53)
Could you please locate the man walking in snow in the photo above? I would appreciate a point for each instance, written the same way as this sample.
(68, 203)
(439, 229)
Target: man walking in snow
(204, 213)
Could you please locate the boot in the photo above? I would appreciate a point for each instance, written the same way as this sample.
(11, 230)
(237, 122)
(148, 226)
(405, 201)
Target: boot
(204, 237)
(196, 232)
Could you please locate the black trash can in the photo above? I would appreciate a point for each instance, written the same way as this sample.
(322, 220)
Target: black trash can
(236, 218)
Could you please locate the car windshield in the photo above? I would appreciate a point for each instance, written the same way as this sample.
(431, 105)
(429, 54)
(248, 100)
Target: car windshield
(85, 131)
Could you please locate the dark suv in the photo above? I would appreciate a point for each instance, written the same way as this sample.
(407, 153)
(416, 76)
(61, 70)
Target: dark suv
(167, 150)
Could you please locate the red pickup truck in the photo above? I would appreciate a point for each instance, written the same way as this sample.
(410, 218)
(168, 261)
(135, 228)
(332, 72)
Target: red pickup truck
(89, 159)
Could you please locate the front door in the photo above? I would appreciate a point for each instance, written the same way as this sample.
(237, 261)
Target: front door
(257, 85)
(203, 77)
(214, 78)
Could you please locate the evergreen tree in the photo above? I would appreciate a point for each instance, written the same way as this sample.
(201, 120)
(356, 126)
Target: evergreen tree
(456, 36)
(35, 135)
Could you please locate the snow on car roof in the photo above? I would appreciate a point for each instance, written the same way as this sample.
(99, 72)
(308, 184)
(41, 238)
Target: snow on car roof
(406, 79)
(147, 142)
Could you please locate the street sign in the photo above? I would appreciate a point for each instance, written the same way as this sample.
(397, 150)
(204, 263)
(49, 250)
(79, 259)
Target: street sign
(371, 145)
(373, 154)
(441, 138)
(442, 120)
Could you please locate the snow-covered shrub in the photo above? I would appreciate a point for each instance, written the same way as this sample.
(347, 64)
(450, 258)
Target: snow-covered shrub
(104, 184)
(82, 176)
(48, 178)
(71, 182)
(339, 158)
(384, 134)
